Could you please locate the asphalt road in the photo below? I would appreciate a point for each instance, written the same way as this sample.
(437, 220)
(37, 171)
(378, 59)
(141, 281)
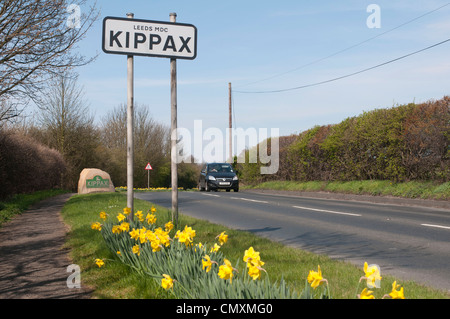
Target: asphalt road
(411, 243)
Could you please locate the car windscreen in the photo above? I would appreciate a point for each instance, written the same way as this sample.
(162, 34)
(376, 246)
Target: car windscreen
(220, 168)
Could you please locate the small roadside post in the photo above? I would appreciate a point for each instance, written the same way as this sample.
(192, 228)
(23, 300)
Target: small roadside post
(148, 168)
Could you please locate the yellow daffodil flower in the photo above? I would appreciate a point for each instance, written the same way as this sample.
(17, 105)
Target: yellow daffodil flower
(254, 272)
(366, 294)
(124, 227)
(103, 215)
(252, 258)
(222, 238)
(116, 229)
(140, 215)
(156, 245)
(315, 278)
(151, 219)
(162, 236)
(226, 271)
(168, 226)
(215, 248)
(167, 282)
(136, 250)
(206, 263)
(120, 217)
(396, 294)
(126, 210)
(189, 231)
(96, 226)
(184, 238)
(153, 210)
(372, 275)
(199, 245)
(99, 262)
(134, 234)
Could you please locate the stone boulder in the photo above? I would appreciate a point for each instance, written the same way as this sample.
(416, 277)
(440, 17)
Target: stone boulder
(93, 180)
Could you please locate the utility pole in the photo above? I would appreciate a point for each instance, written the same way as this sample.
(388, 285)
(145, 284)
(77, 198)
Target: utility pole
(230, 124)
(173, 130)
(130, 125)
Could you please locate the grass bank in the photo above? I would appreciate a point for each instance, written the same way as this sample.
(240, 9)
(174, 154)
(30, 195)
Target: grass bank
(20, 202)
(413, 189)
(116, 280)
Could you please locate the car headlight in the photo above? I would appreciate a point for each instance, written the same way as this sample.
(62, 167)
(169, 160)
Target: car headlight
(211, 178)
(235, 178)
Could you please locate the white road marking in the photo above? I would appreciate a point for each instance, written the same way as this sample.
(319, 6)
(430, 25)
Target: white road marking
(251, 200)
(436, 226)
(326, 211)
(211, 195)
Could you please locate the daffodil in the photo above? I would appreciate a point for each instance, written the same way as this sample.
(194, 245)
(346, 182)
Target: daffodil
(254, 272)
(215, 248)
(226, 271)
(396, 294)
(199, 245)
(140, 215)
(167, 282)
(96, 226)
(372, 275)
(151, 219)
(206, 263)
(153, 210)
(142, 235)
(168, 226)
(103, 215)
(134, 234)
(136, 250)
(252, 258)
(124, 226)
(189, 231)
(366, 294)
(186, 236)
(222, 238)
(315, 278)
(99, 262)
(162, 236)
(156, 245)
(116, 229)
(126, 210)
(120, 217)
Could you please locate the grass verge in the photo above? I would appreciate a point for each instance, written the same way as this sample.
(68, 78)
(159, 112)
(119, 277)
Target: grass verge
(116, 280)
(412, 189)
(20, 202)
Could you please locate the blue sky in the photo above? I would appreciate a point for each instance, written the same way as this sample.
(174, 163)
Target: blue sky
(265, 45)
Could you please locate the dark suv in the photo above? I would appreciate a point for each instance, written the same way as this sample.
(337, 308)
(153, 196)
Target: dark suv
(216, 176)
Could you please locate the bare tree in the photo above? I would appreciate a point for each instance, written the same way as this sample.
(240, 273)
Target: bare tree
(37, 40)
(64, 109)
(152, 141)
(67, 125)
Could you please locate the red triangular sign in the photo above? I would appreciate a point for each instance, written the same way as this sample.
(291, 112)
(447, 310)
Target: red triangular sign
(148, 167)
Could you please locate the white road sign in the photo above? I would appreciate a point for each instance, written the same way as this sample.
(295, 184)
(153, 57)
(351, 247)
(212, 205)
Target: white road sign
(149, 38)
